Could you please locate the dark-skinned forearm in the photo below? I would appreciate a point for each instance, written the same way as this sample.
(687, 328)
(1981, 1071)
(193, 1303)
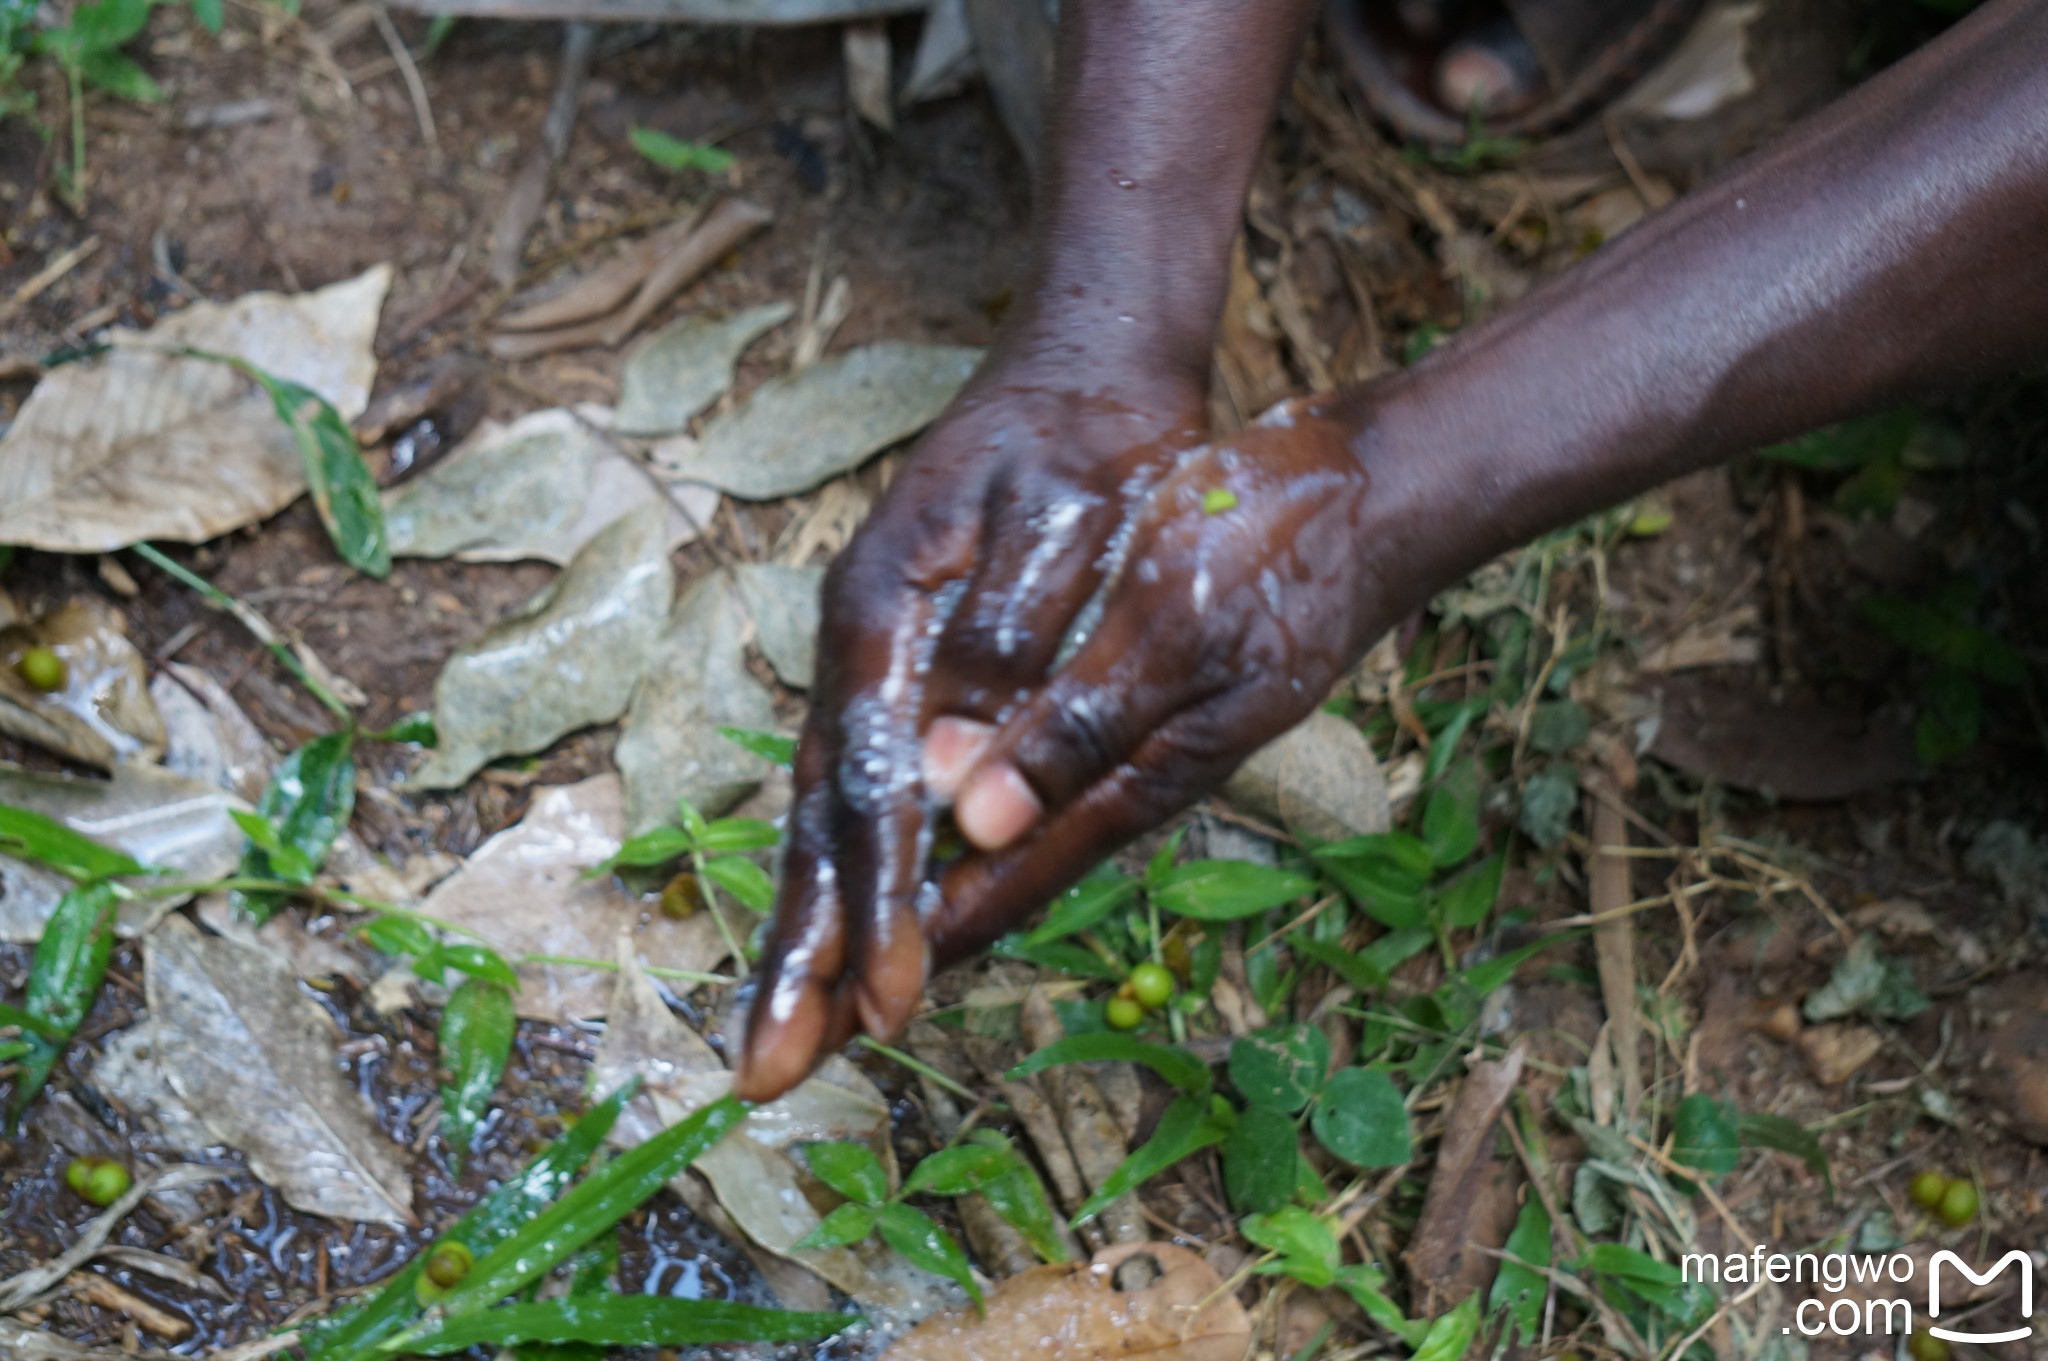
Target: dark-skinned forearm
(1895, 243)
(1160, 107)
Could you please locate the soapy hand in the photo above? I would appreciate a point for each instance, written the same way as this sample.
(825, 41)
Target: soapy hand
(1236, 600)
(952, 599)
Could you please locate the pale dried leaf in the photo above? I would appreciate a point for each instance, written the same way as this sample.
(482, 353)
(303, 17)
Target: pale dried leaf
(133, 444)
(1076, 1313)
(604, 288)
(102, 715)
(784, 603)
(1450, 1228)
(755, 1171)
(159, 818)
(867, 72)
(1319, 778)
(253, 1057)
(696, 682)
(796, 432)
(681, 369)
(541, 487)
(567, 660)
(524, 889)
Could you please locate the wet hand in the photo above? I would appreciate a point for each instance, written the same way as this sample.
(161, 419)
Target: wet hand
(952, 599)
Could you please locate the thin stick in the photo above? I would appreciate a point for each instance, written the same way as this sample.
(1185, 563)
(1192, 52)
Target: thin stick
(414, 86)
(47, 275)
(918, 1066)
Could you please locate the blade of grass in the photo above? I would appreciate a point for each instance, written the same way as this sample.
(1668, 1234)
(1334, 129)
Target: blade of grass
(71, 960)
(28, 835)
(626, 1321)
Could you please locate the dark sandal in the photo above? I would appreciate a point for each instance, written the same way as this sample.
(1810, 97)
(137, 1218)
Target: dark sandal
(1443, 72)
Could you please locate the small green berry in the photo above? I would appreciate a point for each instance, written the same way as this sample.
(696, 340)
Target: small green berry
(1925, 1346)
(1217, 500)
(448, 1264)
(1125, 1014)
(1958, 1204)
(1927, 1190)
(98, 1181)
(43, 669)
(1151, 985)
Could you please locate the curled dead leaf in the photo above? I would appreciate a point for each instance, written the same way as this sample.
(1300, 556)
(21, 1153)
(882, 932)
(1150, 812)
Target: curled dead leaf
(1076, 1313)
(101, 713)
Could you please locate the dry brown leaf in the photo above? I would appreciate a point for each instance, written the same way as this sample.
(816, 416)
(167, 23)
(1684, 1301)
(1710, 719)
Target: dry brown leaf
(1834, 1052)
(524, 889)
(1438, 1257)
(1076, 1313)
(607, 287)
(728, 223)
(102, 714)
(134, 444)
(1614, 939)
(1319, 778)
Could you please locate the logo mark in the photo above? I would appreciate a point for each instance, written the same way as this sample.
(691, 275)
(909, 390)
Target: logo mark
(2016, 1256)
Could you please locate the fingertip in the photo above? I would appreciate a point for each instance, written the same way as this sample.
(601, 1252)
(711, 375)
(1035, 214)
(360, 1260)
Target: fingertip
(783, 1039)
(951, 747)
(893, 976)
(997, 806)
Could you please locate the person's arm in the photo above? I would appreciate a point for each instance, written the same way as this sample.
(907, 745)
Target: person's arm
(955, 594)
(1896, 243)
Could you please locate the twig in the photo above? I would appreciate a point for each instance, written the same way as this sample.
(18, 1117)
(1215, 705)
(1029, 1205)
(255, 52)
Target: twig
(920, 1067)
(333, 692)
(414, 86)
(49, 274)
(523, 203)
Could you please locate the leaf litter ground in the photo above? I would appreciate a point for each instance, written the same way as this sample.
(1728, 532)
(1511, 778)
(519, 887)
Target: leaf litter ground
(1765, 922)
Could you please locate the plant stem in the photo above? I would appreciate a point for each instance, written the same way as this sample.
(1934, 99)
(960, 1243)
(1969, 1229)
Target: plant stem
(253, 622)
(918, 1066)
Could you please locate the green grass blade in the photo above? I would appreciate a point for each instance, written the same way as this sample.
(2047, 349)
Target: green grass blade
(483, 1228)
(1177, 1066)
(30, 836)
(71, 960)
(626, 1321)
(1189, 1125)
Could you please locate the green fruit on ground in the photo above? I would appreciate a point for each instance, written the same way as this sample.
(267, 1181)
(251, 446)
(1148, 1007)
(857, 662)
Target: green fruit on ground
(1125, 1014)
(98, 1181)
(1958, 1204)
(43, 669)
(1927, 1190)
(448, 1264)
(1152, 985)
(1923, 1346)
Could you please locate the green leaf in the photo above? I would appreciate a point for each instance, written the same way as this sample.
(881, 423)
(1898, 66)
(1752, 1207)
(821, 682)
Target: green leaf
(478, 961)
(625, 1321)
(1450, 820)
(1386, 874)
(1520, 1289)
(1450, 1335)
(1484, 978)
(1060, 956)
(108, 24)
(1558, 726)
(1019, 1197)
(1355, 969)
(1257, 1173)
(1940, 634)
(1704, 1136)
(912, 1233)
(29, 1021)
(30, 836)
(1189, 1125)
(1306, 1244)
(1161, 863)
(672, 153)
(396, 935)
(343, 491)
(845, 1226)
(1085, 904)
(1280, 1067)
(1548, 801)
(308, 803)
(1362, 1283)
(744, 880)
(211, 14)
(772, 747)
(513, 1203)
(1177, 1066)
(657, 847)
(418, 729)
(737, 834)
(1786, 1136)
(956, 1171)
(1851, 444)
(63, 981)
(1225, 890)
(591, 1273)
(1865, 982)
(609, 1194)
(1362, 1120)
(1468, 899)
(119, 75)
(476, 1043)
(850, 1169)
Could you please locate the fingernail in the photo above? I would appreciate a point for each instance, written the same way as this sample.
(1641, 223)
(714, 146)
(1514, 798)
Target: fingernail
(997, 807)
(951, 747)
